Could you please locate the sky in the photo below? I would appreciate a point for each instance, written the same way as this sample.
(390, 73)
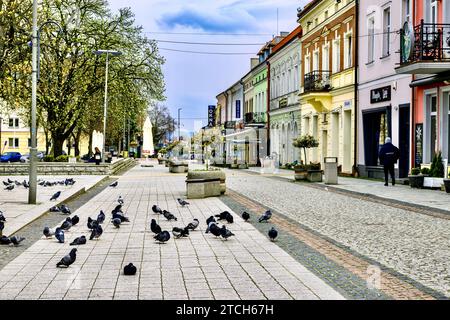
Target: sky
(194, 80)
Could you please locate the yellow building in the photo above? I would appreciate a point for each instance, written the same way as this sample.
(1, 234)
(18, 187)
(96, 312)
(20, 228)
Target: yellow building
(327, 93)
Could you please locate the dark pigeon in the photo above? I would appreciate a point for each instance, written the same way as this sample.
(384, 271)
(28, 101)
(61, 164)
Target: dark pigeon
(180, 232)
(66, 261)
(55, 196)
(118, 208)
(155, 227)
(114, 184)
(75, 219)
(16, 240)
(59, 235)
(96, 232)
(169, 216)
(5, 240)
(10, 187)
(101, 217)
(48, 233)
(2, 217)
(156, 209)
(162, 237)
(121, 217)
(193, 225)
(5, 183)
(78, 241)
(91, 223)
(67, 224)
(214, 229)
(245, 216)
(225, 233)
(266, 216)
(273, 234)
(2, 226)
(64, 209)
(55, 209)
(10, 181)
(116, 222)
(208, 223)
(129, 270)
(182, 202)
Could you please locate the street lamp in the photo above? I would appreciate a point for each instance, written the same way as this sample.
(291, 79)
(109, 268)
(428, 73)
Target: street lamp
(113, 53)
(34, 78)
(179, 109)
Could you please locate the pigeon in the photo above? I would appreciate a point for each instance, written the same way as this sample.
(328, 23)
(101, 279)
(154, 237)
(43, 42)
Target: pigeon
(162, 237)
(155, 227)
(214, 229)
(75, 219)
(129, 270)
(59, 235)
(169, 216)
(17, 183)
(116, 222)
(101, 217)
(120, 200)
(10, 181)
(55, 196)
(273, 234)
(193, 225)
(114, 184)
(225, 215)
(5, 183)
(5, 240)
(55, 209)
(179, 232)
(2, 217)
(2, 226)
(16, 240)
(118, 208)
(64, 209)
(26, 184)
(96, 232)
(266, 216)
(225, 233)
(245, 216)
(156, 209)
(121, 217)
(10, 187)
(78, 241)
(91, 223)
(66, 261)
(182, 202)
(67, 224)
(208, 223)
(48, 233)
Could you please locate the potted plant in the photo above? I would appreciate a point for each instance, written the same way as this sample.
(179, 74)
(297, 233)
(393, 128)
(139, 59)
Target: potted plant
(304, 142)
(436, 178)
(425, 171)
(415, 178)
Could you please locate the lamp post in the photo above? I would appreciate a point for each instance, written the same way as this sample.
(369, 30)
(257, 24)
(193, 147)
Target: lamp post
(113, 53)
(32, 191)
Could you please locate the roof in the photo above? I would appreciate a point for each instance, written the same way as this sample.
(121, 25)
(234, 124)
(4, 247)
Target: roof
(308, 8)
(296, 33)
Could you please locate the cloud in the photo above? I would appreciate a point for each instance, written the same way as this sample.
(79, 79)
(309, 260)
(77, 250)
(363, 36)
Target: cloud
(225, 19)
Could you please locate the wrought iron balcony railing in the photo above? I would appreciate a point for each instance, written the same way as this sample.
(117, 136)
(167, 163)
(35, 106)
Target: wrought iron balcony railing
(431, 43)
(255, 117)
(318, 80)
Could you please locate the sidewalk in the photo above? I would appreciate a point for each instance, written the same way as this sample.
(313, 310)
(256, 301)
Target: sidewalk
(19, 213)
(424, 197)
(247, 266)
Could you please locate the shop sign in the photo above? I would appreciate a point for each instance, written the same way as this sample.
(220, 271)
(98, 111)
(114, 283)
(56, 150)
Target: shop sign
(380, 94)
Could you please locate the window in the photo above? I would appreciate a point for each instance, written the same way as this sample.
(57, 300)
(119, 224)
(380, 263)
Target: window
(14, 122)
(13, 142)
(386, 31)
(296, 84)
(316, 60)
(307, 64)
(336, 56)
(348, 57)
(371, 39)
(406, 10)
(433, 126)
(326, 58)
(326, 14)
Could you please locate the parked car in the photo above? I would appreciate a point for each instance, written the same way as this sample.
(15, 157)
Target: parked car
(26, 157)
(10, 157)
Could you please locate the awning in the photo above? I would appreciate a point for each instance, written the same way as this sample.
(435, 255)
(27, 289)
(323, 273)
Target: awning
(237, 134)
(445, 76)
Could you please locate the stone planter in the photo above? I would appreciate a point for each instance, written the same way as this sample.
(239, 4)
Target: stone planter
(211, 174)
(234, 166)
(434, 183)
(178, 166)
(300, 173)
(447, 185)
(161, 161)
(416, 181)
(243, 166)
(314, 176)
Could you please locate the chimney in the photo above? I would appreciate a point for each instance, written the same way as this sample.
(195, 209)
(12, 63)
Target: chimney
(254, 62)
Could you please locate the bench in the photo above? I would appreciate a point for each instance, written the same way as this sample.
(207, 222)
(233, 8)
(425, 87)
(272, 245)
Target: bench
(203, 188)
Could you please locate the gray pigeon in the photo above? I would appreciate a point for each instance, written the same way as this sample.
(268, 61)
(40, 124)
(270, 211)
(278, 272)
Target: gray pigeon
(59, 235)
(48, 233)
(66, 261)
(180, 232)
(156, 209)
(169, 216)
(225, 233)
(96, 232)
(162, 237)
(182, 202)
(120, 200)
(193, 225)
(16, 240)
(55, 196)
(266, 216)
(64, 209)
(78, 241)
(67, 224)
(101, 217)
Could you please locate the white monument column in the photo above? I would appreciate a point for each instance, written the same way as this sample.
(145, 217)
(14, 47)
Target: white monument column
(147, 145)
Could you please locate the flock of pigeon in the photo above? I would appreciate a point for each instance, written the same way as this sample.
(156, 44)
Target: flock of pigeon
(118, 217)
(11, 184)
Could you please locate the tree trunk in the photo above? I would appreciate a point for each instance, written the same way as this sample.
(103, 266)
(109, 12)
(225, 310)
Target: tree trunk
(90, 144)
(76, 139)
(58, 143)
(47, 142)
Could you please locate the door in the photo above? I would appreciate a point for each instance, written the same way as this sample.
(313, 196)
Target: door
(404, 138)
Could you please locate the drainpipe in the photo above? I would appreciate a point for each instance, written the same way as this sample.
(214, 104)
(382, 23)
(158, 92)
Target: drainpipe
(225, 129)
(267, 110)
(355, 160)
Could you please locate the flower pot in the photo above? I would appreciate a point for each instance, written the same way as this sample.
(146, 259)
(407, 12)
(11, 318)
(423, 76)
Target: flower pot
(314, 176)
(300, 173)
(416, 181)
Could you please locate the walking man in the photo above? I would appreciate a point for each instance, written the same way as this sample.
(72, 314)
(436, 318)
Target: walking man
(389, 155)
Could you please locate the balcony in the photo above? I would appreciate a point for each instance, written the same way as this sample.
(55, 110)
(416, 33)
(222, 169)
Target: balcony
(255, 118)
(425, 49)
(317, 81)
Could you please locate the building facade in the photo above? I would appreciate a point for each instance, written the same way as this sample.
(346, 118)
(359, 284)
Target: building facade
(327, 93)
(425, 54)
(285, 121)
(384, 96)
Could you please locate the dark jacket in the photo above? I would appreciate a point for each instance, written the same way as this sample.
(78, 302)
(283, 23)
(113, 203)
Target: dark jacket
(389, 154)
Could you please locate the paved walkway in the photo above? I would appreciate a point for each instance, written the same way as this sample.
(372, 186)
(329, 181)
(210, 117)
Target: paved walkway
(19, 213)
(247, 266)
(424, 197)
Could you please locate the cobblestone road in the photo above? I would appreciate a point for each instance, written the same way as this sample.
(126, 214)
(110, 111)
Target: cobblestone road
(413, 244)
